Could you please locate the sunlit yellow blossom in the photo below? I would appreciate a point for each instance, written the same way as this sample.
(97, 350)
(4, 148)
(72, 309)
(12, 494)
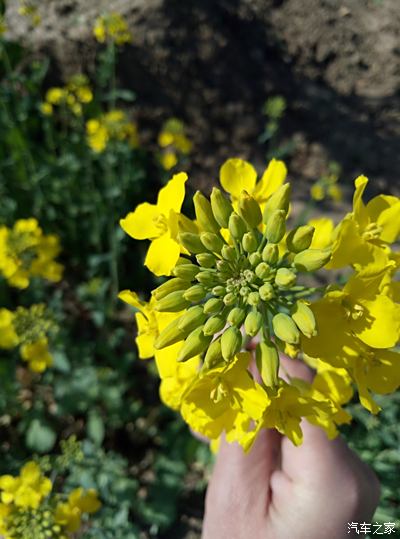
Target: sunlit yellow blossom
(237, 175)
(323, 232)
(168, 160)
(159, 223)
(112, 27)
(8, 336)
(112, 125)
(37, 355)
(26, 490)
(73, 95)
(26, 252)
(174, 142)
(79, 502)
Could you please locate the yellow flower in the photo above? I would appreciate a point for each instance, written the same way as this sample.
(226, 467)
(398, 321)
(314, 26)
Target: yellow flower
(237, 175)
(112, 27)
(37, 355)
(174, 386)
(159, 223)
(26, 490)
(111, 126)
(323, 232)
(46, 109)
(97, 135)
(317, 192)
(168, 160)
(8, 337)
(173, 139)
(68, 514)
(364, 236)
(55, 95)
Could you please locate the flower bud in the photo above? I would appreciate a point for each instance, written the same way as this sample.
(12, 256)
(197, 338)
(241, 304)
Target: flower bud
(236, 316)
(214, 355)
(304, 318)
(300, 238)
(244, 291)
(255, 259)
(191, 242)
(206, 260)
(173, 302)
(229, 299)
(231, 342)
(195, 293)
(213, 305)
(249, 242)
(253, 322)
(267, 359)
(214, 324)
(172, 285)
(266, 291)
(223, 265)
(186, 272)
(208, 278)
(218, 290)
(195, 344)
(221, 207)
(276, 226)
(237, 227)
(249, 210)
(263, 270)
(171, 334)
(253, 299)
(192, 319)
(204, 214)
(211, 241)
(270, 254)
(285, 329)
(228, 253)
(285, 278)
(312, 259)
(277, 201)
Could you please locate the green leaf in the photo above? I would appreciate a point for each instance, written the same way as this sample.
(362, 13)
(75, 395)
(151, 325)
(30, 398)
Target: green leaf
(40, 436)
(95, 427)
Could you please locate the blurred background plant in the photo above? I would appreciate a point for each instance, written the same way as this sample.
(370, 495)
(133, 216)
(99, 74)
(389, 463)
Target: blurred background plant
(72, 159)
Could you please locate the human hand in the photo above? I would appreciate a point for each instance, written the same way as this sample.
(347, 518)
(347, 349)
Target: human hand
(278, 490)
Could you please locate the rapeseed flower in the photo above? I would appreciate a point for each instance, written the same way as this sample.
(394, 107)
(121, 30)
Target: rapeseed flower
(74, 95)
(112, 28)
(174, 143)
(112, 125)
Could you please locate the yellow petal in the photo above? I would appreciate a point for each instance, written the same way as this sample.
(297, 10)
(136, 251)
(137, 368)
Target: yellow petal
(162, 255)
(171, 196)
(323, 232)
(131, 298)
(380, 325)
(236, 176)
(273, 177)
(359, 209)
(142, 224)
(389, 220)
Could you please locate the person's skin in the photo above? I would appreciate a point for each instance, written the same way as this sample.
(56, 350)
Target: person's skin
(279, 491)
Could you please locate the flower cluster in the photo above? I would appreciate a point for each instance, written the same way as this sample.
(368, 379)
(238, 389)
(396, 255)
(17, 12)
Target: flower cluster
(327, 186)
(112, 125)
(112, 27)
(26, 252)
(73, 95)
(174, 143)
(239, 273)
(29, 329)
(28, 508)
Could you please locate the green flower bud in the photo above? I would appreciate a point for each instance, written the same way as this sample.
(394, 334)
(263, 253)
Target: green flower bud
(249, 276)
(277, 201)
(231, 342)
(285, 328)
(244, 291)
(237, 227)
(211, 241)
(266, 291)
(236, 316)
(221, 207)
(195, 344)
(229, 299)
(192, 319)
(208, 278)
(186, 272)
(249, 242)
(270, 254)
(267, 360)
(263, 270)
(249, 210)
(213, 305)
(253, 322)
(223, 265)
(255, 259)
(206, 260)
(228, 253)
(218, 290)
(285, 278)
(276, 226)
(195, 293)
(191, 242)
(214, 355)
(173, 303)
(171, 334)
(300, 238)
(204, 214)
(215, 324)
(312, 259)
(172, 285)
(304, 318)
(253, 299)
